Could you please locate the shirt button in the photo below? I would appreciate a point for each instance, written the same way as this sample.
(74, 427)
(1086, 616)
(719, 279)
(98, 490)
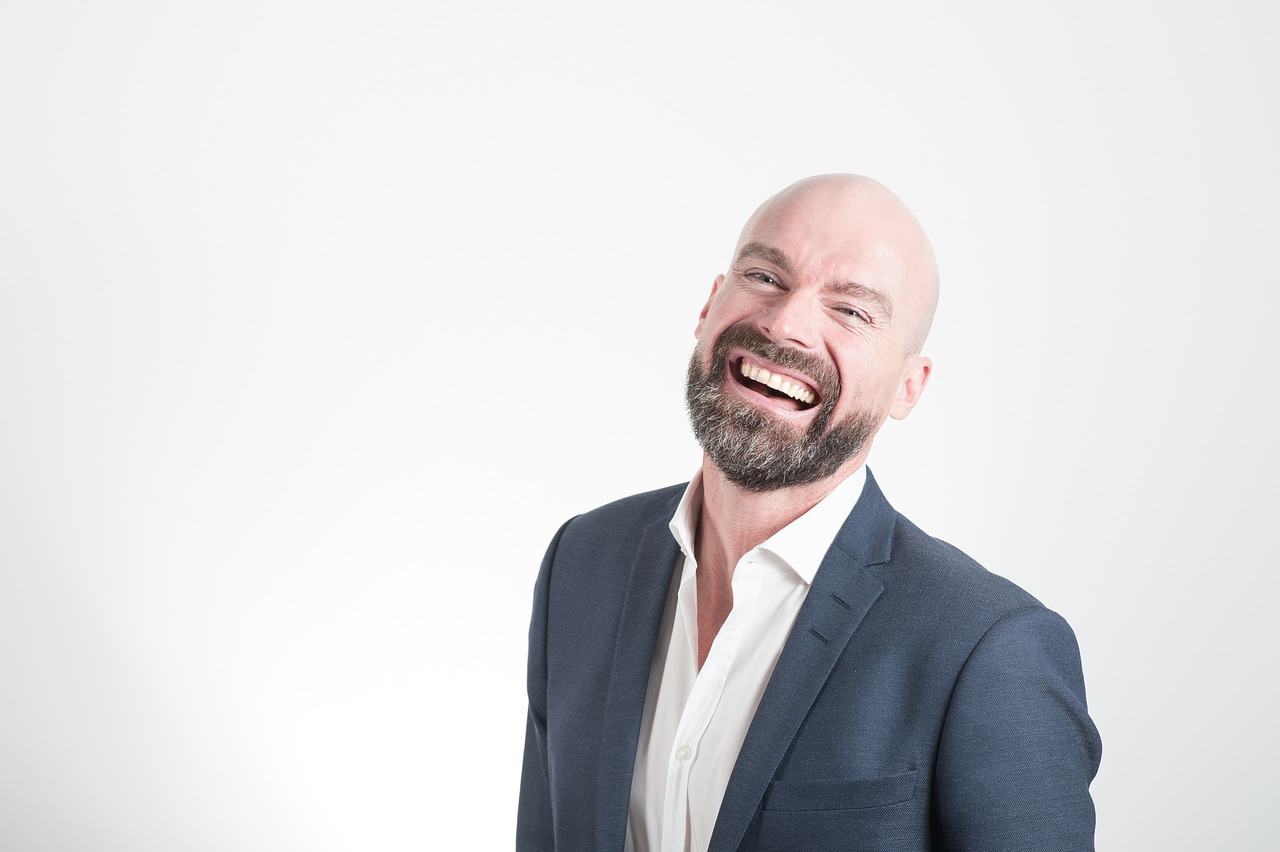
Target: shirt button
(683, 753)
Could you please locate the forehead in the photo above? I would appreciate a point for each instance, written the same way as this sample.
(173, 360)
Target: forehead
(825, 240)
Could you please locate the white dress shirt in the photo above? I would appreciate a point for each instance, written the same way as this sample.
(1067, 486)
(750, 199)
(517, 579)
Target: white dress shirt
(695, 721)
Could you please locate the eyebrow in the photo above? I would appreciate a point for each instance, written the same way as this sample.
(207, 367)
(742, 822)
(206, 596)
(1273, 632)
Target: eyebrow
(769, 254)
(862, 291)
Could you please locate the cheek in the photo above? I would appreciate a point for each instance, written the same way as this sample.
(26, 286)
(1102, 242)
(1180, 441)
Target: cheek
(866, 392)
(703, 353)
(706, 329)
(727, 308)
(713, 324)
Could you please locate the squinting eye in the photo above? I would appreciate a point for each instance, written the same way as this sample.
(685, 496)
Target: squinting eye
(765, 278)
(854, 313)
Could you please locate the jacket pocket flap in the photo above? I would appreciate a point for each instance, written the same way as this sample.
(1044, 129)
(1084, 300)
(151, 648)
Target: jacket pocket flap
(848, 794)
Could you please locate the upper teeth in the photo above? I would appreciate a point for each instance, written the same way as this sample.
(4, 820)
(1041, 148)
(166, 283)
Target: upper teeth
(760, 374)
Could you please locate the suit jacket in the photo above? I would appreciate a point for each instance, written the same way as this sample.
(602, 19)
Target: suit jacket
(919, 703)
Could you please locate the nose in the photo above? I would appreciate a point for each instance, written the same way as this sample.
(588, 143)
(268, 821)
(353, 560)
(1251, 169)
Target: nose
(791, 320)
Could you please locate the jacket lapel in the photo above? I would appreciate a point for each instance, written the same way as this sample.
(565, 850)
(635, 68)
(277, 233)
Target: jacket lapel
(842, 593)
(629, 680)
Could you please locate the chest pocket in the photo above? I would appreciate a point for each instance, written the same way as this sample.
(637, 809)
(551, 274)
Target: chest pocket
(858, 815)
(841, 795)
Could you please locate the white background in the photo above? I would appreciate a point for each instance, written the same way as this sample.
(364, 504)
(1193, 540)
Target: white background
(317, 319)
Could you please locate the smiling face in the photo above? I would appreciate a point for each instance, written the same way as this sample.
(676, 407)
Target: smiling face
(810, 340)
(754, 447)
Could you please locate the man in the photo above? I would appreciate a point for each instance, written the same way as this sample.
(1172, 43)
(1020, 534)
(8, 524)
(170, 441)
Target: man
(771, 658)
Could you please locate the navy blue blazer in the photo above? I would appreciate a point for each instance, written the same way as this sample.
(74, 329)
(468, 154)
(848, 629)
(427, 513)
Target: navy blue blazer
(920, 702)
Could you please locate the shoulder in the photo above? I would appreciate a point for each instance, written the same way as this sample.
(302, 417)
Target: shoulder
(926, 578)
(612, 534)
(942, 597)
(598, 558)
(625, 518)
(928, 565)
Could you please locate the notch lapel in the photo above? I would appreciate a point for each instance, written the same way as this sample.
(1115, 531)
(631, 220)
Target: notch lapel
(842, 593)
(629, 677)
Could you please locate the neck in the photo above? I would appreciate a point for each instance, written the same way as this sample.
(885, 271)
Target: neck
(734, 520)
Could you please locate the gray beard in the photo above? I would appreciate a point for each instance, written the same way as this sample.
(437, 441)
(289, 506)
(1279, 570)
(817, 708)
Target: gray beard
(757, 452)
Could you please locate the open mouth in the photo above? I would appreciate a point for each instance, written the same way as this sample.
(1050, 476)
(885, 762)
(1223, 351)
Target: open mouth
(787, 390)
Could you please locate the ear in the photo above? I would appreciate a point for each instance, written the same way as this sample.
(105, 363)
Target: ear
(915, 377)
(702, 317)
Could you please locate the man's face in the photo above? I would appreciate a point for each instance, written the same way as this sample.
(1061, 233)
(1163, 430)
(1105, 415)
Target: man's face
(808, 342)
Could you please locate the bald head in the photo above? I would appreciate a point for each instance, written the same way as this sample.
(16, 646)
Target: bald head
(856, 217)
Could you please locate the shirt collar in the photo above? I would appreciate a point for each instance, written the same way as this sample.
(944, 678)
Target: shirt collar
(685, 520)
(801, 544)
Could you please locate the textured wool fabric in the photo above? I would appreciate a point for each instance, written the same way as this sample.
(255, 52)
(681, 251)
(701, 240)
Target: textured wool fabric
(920, 702)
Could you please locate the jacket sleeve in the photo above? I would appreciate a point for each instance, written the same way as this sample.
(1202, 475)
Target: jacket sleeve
(535, 825)
(1018, 748)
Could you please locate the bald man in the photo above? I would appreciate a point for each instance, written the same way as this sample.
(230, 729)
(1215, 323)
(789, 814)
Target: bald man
(770, 657)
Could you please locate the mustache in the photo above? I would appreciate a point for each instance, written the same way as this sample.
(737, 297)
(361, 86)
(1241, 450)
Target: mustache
(746, 336)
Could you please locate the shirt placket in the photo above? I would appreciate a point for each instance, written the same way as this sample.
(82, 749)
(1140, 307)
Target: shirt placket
(708, 687)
